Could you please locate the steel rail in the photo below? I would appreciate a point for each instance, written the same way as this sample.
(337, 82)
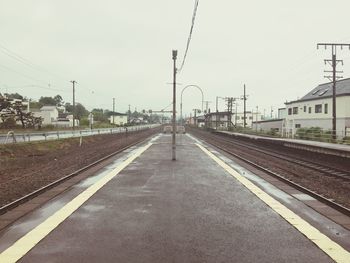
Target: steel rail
(344, 210)
(330, 171)
(43, 189)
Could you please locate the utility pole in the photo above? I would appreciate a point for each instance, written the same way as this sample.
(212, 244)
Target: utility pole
(256, 122)
(334, 62)
(113, 110)
(207, 105)
(244, 98)
(73, 81)
(229, 111)
(217, 112)
(174, 108)
(271, 113)
(129, 114)
(236, 104)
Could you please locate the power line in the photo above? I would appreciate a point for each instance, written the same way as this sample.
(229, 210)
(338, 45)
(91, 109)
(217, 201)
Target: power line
(25, 61)
(334, 77)
(32, 86)
(171, 103)
(28, 77)
(190, 35)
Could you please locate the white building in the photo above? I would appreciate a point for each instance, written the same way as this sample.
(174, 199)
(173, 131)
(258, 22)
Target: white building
(272, 125)
(238, 119)
(315, 109)
(49, 114)
(217, 119)
(118, 118)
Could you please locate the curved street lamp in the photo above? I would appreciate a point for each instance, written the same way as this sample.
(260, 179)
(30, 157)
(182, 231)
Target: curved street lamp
(195, 86)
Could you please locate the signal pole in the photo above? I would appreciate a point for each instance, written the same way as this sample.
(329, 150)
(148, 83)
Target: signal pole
(174, 108)
(73, 81)
(333, 62)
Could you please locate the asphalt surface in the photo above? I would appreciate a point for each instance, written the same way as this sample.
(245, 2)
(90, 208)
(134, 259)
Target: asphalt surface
(158, 210)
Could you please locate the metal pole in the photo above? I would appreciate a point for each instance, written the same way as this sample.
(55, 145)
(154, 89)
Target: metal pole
(182, 122)
(216, 114)
(256, 123)
(174, 108)
(73, 81)
(244, 111)
(334, 114)
(113, 110)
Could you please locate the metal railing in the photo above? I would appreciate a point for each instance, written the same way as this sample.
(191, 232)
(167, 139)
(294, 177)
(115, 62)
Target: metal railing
(12, 137)
(311, 134)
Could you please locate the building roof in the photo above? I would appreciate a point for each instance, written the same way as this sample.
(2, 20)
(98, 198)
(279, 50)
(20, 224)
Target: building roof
(118, 114)
(266, 121)
(217, 113)
(326, 91)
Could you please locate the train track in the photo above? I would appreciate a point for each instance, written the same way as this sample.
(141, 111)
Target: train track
(239, 151)
(41, 190)
(328, 171)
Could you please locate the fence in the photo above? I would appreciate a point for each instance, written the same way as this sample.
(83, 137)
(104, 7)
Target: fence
(312, 134)
(12, 137)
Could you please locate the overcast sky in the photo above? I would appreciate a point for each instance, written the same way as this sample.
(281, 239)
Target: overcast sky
(122, 49)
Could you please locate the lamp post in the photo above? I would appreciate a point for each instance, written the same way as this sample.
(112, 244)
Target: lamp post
(174, 107)
(195, 86)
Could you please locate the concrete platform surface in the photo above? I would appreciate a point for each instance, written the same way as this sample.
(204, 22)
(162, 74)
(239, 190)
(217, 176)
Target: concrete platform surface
(158, 210)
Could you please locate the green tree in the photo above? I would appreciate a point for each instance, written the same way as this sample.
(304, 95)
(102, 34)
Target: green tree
(14, 96)
(80, 111)
(47, 101)
(58, 99)
(99, 115)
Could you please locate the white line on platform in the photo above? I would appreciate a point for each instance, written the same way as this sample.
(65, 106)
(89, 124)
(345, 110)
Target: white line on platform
(28, 241)
(331, 248)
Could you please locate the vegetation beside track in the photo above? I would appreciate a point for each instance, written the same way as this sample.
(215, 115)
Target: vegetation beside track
(30, 166)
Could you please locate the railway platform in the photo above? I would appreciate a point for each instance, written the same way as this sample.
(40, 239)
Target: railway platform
(202, 207)
(315, 146)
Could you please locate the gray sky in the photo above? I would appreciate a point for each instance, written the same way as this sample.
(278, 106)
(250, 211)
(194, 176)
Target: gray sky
(122, 49)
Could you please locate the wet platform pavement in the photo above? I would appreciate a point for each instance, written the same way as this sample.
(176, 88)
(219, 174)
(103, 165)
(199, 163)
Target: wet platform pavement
(158, 210)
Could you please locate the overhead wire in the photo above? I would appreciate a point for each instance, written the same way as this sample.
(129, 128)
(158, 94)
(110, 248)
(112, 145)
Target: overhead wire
(26, 62)
(171, 103)
(190, 35)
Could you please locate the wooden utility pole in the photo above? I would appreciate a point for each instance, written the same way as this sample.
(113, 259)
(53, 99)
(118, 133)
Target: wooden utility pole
(73, 81)
(333, 62)
(174, 107)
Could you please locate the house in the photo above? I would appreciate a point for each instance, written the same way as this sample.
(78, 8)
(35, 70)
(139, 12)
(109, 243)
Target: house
(118, 118)
(217, 119)
(238, 119)
(49, 115)
(315, 109)
(222, 119)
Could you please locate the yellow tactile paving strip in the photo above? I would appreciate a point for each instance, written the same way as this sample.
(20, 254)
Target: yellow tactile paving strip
(28, 241)
(331, 248)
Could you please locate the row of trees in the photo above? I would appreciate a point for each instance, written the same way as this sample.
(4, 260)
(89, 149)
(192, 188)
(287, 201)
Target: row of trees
(12, 111)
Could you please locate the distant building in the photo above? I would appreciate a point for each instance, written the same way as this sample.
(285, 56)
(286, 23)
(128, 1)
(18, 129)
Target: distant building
(49, 115)
(282, 113)
(217, 119)
(272, 125)
(119, 119)
(315, 109)
(238, 119)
